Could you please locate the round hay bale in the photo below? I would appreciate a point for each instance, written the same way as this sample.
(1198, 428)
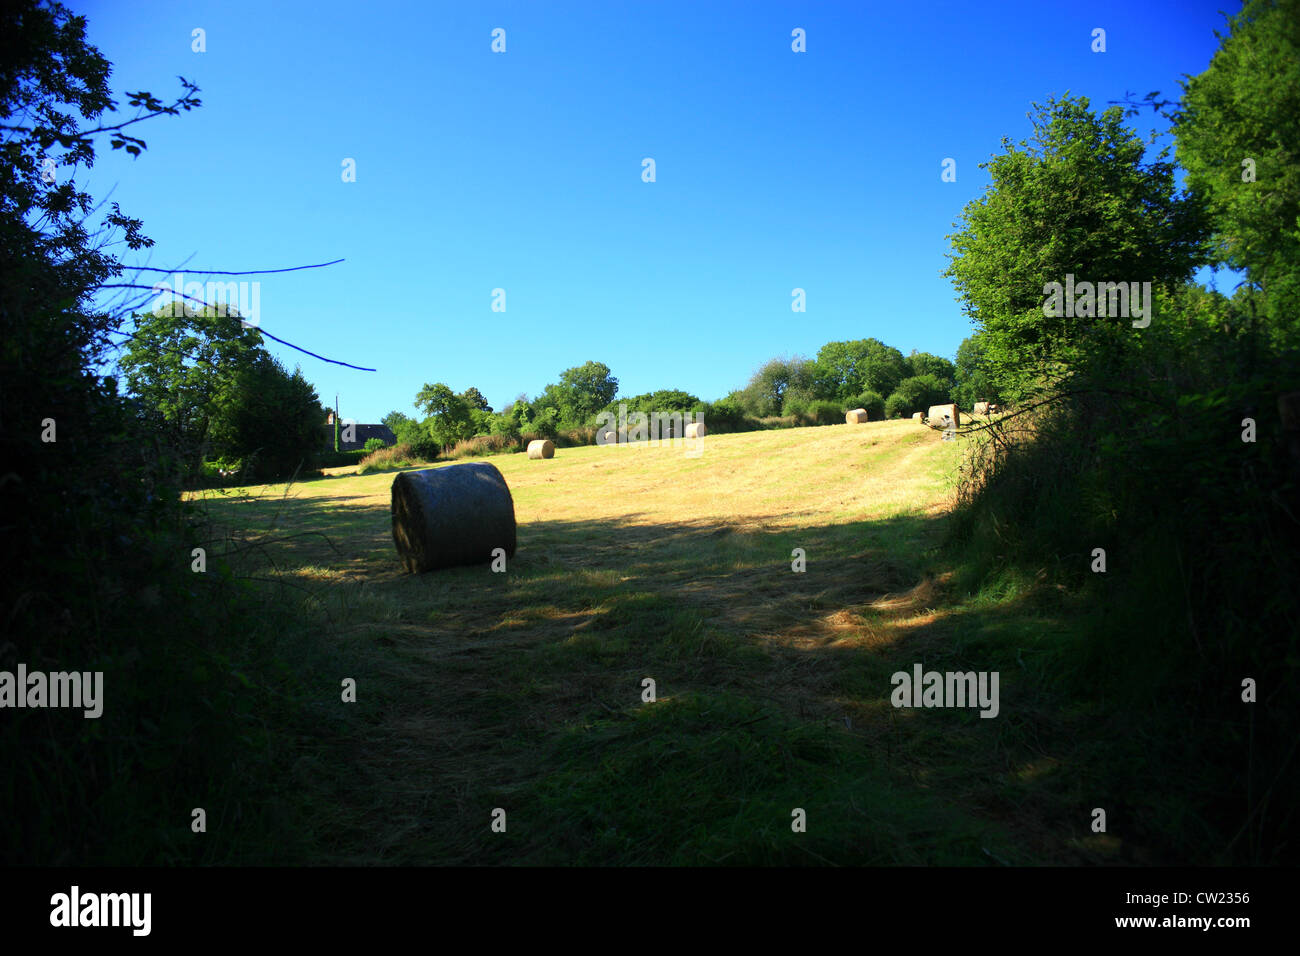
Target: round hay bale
(918, 416)
(608, 437)
(454, 515)
(541, 448)
(938, 413)
(696, 430)
(856, 416)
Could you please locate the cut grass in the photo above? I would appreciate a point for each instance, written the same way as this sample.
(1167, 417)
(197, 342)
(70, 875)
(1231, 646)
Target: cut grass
(522, 691)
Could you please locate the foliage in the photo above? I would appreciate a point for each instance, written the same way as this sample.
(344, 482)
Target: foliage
(845, 369)
(1077, 199)
(871, 401)
(765, 393)
(582, 392)
(1246, 106)
(923, 363)
(972, 379)
(449, 418)
(917, 394)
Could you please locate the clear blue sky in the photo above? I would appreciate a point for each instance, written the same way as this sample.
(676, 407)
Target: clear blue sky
(522, 171)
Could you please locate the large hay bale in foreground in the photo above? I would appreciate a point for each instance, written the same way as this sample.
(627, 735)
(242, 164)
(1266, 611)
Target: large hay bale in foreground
(938, 412)
(454, 515)
(696, 430)
(857, 416)
(541, 448)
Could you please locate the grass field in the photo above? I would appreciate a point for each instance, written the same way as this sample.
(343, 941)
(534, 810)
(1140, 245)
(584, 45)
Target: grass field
(523, 690)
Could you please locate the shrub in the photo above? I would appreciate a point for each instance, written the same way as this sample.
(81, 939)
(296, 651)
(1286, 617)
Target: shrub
(373, 444)
(482, 445)
(899, 405)
(337, 459)
(918, 393)
(727, 415)
(389, 459)
(871, 401)
(821, 412)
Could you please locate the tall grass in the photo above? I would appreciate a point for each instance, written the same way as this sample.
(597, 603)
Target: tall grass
(1194, 598)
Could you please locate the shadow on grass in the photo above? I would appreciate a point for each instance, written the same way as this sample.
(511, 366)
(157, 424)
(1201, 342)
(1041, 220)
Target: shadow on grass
(524, 691)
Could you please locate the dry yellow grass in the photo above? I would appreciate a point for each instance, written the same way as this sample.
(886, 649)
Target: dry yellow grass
(783, 479)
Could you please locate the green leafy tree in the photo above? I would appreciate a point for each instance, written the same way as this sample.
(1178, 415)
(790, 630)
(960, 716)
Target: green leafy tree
(923, 363)
(396, 421)
(449, 418)
(475, 399)
(766, 392)
(917, 394)
(582, 392)
(180, 361)
(972, 381)
(268, 418)
(1238, 137)
(845, 369)
(1078, 198)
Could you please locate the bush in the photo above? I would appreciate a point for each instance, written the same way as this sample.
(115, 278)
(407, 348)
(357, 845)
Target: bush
(871, 401)
(373, 444)
(899, 406)
(483, 445)
(918, 393)
(389, 459)
(726, 415)
(339, 459)
(819, 412)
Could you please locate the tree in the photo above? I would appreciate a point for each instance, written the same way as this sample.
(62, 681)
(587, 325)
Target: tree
(448, 414)
(972, 382)
(179, 362)
(268, 418)
(765, 394)
(1238, 137)
(923, 363)
(582, 392)
(845, 369)
(1078, 200)
(663, 400)
(396, 421)
(917, 394)
(475, 400)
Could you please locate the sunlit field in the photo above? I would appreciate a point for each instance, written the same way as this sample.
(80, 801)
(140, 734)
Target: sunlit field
(524, 690)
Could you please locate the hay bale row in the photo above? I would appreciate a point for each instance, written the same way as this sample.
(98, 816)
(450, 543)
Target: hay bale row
(459, 514)
(856, 417)
(541, 448)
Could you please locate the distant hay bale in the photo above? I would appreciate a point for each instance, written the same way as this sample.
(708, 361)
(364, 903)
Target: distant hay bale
(918, 417)
(541, 448)
(856, 417)
(938, 413)
(982, 408)
(459, 514)
(696, 430)
(608, 437)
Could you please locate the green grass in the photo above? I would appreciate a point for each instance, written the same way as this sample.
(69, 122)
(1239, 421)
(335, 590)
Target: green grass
(522, 691)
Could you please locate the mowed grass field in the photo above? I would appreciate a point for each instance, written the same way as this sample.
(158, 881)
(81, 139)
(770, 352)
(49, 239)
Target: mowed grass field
(523, 691)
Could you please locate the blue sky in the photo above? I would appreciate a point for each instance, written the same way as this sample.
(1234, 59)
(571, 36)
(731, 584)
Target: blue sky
(523, 171)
